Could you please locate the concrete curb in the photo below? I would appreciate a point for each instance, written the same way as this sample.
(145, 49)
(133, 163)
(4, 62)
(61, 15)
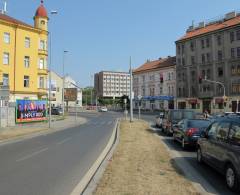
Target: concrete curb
(202, 186)
(82, 186)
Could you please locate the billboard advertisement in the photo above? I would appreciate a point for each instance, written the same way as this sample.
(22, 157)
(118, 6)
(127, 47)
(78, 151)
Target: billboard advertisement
(70, 94)
(31, 111)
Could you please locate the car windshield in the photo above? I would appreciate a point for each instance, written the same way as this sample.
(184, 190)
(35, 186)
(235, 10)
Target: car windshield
(198, 123)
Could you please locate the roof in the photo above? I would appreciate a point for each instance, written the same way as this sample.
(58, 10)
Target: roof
(41, 11)
(13, 20)
(156, 64)
(211, 28)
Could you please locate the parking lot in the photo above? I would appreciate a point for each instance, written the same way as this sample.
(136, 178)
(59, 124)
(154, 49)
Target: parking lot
(211, 176)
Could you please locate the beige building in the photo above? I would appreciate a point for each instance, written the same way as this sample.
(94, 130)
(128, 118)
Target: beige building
(210, 50)
(108, 84)
(155, 83)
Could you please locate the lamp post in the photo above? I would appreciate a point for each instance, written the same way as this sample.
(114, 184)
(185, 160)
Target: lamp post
(49, 76)
(63, 84)
(131, 89)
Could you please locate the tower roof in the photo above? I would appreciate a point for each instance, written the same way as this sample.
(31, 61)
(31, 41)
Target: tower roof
(41, 11)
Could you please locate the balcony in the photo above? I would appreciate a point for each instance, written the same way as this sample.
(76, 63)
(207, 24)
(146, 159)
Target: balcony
(42, 52)
(42, 71)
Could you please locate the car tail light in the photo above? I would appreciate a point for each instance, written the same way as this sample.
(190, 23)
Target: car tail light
(191, 131)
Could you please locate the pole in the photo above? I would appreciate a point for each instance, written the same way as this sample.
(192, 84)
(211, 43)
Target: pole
(139, 110)
(75, 111)
(131, 89)
(50, 83)
(63, 89)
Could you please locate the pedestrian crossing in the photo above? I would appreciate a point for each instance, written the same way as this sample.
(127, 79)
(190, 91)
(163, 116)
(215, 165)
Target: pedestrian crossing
(101, 123)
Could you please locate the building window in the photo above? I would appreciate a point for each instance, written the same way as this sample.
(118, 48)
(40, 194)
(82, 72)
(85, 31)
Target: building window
(41, 63)
(193, 76)
(41, 82)
(220, 56)
(5, 79)
(238, 52)
(208, 73)
(202, 43)
(183, 62)
(192, 46)
(26, 81)
(220, 72)
(219, 40)
(192, 60)
(27, 42)
(231, 37)
(238, 34)
(42, 45)
(203, 58)
(236, 88)
(207, 43)
(6, 58)
(232, 52)
(183, 48)
(203, 73)
(169, 76)
(179, 61)
(6, 37)
(26, 61)
(208, 57)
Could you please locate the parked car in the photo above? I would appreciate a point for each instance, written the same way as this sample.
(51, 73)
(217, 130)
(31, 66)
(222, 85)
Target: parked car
(173, 117)
(188, 131)
(103, 109)
(219, 147)
(56, 111)
(159, 120)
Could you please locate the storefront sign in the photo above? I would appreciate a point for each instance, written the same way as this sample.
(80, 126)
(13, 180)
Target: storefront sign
(70, 94)
(31, 111)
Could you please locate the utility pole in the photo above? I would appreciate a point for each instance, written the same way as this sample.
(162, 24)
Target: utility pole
(131, 89)
(63, 90)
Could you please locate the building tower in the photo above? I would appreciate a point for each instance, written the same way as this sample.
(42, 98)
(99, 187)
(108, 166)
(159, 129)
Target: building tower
(41, 18)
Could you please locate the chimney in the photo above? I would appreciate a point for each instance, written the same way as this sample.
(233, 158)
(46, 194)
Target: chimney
(201, 25)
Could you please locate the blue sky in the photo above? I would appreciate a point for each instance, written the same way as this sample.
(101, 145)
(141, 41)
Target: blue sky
(102, 34)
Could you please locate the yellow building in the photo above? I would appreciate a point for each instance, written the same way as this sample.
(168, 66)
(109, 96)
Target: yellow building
(23, 56)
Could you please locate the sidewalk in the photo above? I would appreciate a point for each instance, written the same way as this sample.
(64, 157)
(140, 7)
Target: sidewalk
(141, 165)
(41, 127)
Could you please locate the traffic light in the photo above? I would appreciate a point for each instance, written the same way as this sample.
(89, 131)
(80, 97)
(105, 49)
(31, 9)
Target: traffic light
(200, 79)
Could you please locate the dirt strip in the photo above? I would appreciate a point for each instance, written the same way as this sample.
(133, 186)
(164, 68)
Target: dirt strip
(141, 165)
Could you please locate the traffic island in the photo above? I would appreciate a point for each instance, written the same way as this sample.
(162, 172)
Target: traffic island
(141, 165)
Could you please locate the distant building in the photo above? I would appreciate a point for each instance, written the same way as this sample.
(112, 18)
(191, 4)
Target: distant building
(71, 83)
(56, 89)
(109, 84)
(155, 83)
(210, 50)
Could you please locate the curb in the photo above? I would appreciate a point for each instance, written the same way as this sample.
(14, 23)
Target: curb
(190, 173)
(82, 186)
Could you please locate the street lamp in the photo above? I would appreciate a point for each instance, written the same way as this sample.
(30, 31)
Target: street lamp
(131, 90)
(63, 87)
(49, 76)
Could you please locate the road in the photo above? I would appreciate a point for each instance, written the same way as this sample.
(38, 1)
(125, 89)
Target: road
(212, 176)
(53, 164)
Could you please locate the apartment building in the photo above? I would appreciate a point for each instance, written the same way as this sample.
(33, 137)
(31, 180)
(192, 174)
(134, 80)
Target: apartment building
(210, 50)
(23, 68)
(155, 83)
(109, 84)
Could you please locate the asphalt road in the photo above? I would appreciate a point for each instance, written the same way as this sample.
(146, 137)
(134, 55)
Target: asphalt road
(212, 176)
(53, 164)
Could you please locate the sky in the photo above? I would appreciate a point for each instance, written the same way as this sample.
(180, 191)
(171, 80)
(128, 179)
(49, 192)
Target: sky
(103, 34)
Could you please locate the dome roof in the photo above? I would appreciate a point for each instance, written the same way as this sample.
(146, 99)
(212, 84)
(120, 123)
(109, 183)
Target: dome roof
(41, 11)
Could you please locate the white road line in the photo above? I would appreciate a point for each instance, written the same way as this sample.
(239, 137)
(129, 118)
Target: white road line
(31, 155)
(64, 141)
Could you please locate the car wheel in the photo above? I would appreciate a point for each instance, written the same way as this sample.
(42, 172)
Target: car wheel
(183, 144)
(199, 155)
(232, 179)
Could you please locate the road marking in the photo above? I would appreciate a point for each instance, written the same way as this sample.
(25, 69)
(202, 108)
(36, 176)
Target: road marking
(31, 155)
(64, 141)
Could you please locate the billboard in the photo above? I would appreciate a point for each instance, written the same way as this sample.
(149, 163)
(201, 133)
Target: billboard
(31, 111)
(70, 94)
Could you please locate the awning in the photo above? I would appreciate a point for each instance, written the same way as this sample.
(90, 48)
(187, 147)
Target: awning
(192, 101)
(219, 100)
